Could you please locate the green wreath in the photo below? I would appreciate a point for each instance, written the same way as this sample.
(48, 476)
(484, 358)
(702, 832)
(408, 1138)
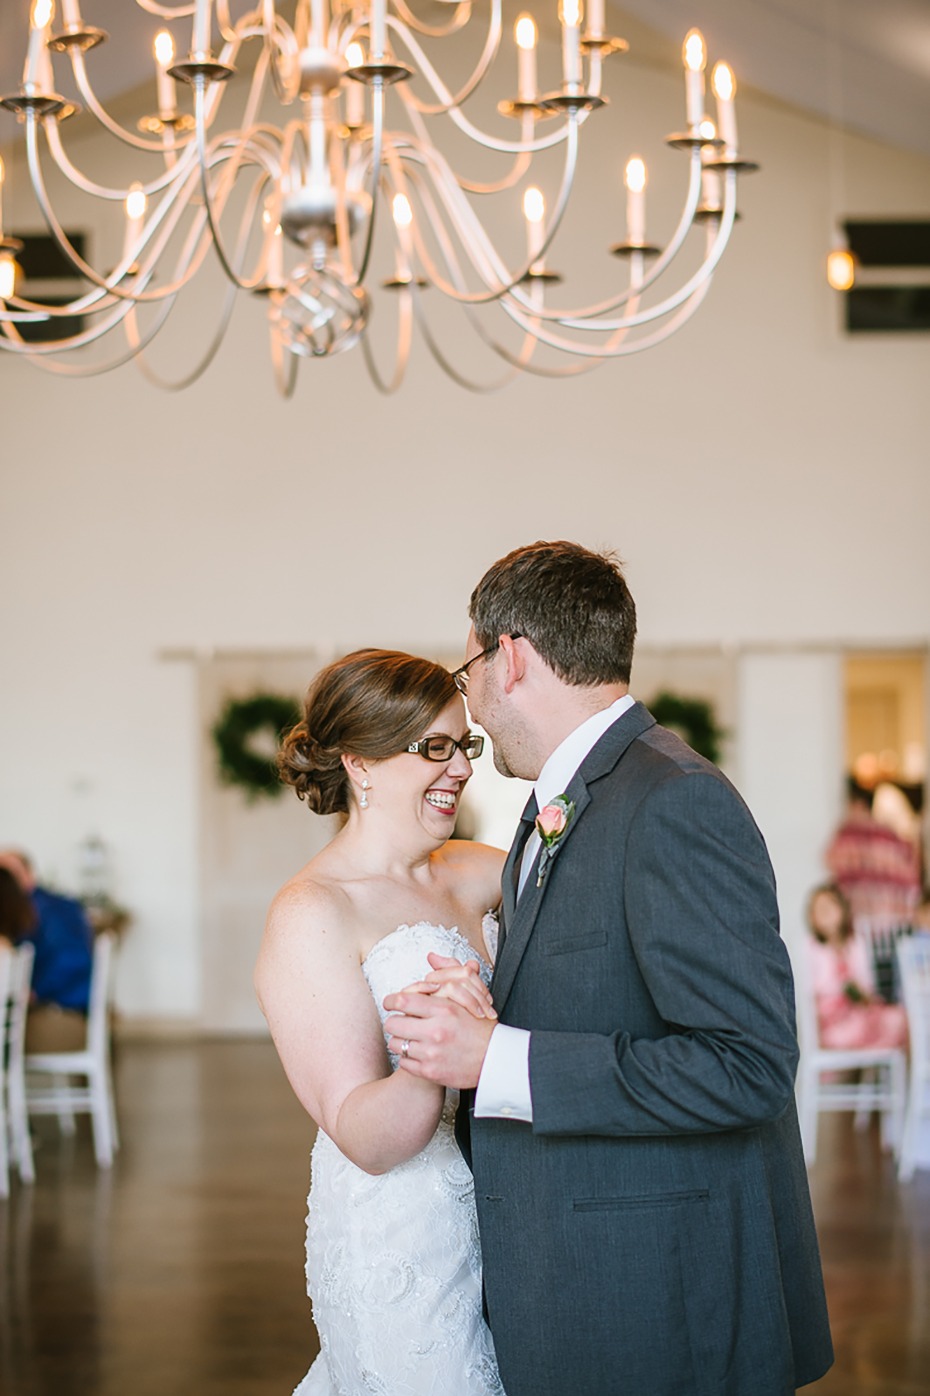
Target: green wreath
(693, 718)
(242, 719)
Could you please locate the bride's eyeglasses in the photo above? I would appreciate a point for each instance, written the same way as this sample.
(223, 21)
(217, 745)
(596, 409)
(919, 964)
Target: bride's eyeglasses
(444, 748)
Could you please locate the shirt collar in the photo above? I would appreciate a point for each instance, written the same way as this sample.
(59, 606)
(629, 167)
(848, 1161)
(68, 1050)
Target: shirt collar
(555, 775)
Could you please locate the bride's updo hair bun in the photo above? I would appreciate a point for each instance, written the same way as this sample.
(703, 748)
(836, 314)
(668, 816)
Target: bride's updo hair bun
(372, 703)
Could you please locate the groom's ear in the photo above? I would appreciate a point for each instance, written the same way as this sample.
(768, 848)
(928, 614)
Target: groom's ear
(514, 661)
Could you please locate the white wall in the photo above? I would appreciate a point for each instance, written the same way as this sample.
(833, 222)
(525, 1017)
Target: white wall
(765, 479)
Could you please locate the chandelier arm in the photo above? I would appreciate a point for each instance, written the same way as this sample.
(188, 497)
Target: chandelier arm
(517, 362)
(156, 147)
(477, 241)
(447, 107)
(169, 213)
(590, 318)
(530, 326)
(38, 353)
(448, 102)
(224, 23)
(137, 348)
(161, 11)
(673, 247)
(449, 369)
(284, 91)
(100, 191)
(377, 142)
(227, 178)
(137, 345)
(632, 346)
(705, 271)
(64, 244)
(402, 357)
(285, 378)
(519, 168)
(434, 31)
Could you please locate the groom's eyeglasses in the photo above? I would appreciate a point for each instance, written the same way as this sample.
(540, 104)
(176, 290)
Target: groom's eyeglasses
(443, 748)
(460, 676)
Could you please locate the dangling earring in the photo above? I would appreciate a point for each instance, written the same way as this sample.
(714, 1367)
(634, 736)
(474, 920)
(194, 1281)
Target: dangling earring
(363, 802)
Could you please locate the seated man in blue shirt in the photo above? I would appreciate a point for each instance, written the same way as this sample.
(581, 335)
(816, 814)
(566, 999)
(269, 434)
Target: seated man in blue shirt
(63, 941)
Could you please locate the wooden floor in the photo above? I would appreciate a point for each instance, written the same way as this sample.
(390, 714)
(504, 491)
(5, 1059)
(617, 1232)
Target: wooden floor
(180, 1272)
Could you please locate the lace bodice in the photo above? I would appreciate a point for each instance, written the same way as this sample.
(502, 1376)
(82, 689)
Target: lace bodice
(393, 1262)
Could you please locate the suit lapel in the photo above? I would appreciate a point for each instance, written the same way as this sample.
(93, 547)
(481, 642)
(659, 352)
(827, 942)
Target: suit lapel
(520, 918)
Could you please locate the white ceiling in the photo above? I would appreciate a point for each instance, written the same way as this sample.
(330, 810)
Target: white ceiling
(863, 62)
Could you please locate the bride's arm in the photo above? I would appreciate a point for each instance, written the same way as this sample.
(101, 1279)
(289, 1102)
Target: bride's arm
(328, 1035)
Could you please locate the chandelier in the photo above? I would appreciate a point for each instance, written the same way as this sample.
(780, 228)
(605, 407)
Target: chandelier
(350, 171)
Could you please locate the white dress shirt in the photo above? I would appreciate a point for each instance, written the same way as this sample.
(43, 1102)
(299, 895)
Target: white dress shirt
(504, 1085)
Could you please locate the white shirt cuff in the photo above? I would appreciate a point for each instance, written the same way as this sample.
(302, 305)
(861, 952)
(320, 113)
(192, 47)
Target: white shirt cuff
(504, 1084)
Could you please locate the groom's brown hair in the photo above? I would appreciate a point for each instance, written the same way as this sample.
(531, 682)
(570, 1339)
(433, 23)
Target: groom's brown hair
(573, 605)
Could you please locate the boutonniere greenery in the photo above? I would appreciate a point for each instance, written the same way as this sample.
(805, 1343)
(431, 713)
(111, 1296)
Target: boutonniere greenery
(551, 822)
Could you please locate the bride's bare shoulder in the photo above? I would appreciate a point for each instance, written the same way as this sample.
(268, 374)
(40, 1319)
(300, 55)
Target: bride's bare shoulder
(477, 864)
(308, 906)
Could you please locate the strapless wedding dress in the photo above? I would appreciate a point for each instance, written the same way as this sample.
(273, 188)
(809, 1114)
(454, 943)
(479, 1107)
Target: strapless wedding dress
(393, 1263)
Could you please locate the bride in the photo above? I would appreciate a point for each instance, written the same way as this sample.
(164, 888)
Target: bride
(393, 1264)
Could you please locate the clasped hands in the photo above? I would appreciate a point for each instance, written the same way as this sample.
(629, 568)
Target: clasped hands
(446, 1020)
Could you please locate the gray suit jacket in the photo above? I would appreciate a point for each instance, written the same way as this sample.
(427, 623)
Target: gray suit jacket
(650, 1234)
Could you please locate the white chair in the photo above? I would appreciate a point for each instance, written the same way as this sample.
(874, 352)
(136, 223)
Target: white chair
(59, 1096)
(914, 969)
(15, 979)
(879, 1078)
(880, 935)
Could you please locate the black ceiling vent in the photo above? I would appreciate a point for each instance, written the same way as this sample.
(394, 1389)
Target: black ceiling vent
(892, 290)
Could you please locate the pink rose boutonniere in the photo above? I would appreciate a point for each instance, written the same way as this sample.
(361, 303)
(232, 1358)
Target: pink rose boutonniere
(551, 822)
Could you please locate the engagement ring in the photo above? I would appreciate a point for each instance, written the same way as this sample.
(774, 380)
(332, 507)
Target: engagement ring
(405, 1047)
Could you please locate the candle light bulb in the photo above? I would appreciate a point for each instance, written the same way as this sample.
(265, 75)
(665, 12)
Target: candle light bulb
(693, 51)
(524, 31)
(164, 57)
(37, 72)
(841, 269)
(534, 205)
(7, 277)
(164, 48)
(570, 13)
(723, 82)
(403, 213)
(534, 211)
(694, 55)
(635, 175)
(136, 203)
(355, 92)
(634, 178)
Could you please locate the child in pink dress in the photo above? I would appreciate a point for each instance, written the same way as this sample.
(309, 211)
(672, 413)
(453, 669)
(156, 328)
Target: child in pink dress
(849, 1012)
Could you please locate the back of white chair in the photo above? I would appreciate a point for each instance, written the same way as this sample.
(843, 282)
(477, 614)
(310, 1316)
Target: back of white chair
(880, 935)
(60, 1097)
(878, 1074)
(15, 980)
(914, 969)
(6, 976)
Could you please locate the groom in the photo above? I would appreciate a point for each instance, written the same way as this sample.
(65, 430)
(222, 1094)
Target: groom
(645, 1220)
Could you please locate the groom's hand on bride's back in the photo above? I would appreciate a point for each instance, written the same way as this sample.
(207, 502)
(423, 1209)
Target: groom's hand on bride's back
(446, 1021)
